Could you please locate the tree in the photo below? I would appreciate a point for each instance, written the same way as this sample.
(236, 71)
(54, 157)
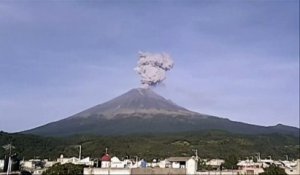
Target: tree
(273, 170)
(64, 169)
(25, 173)
(202, 166)
(230, 162)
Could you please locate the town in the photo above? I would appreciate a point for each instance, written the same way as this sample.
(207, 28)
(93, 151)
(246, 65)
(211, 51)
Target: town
(107, 165)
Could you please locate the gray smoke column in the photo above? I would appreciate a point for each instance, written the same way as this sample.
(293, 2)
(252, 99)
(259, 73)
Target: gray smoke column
(152, 68)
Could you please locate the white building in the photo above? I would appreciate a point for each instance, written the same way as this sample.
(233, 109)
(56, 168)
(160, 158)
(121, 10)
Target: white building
(191, 166)
(178, 162)
(164, 164)
(49, 163)
(63, 160)
(74, 160)
(117, 163)
(37, 166)
(250, 167)
(266, 162)
(181, 165)
(153, 164)
(291, 167)
(110, 166)
(216, 163)
(34, 164)
(30, 164)
(128, 163)
(189, 163)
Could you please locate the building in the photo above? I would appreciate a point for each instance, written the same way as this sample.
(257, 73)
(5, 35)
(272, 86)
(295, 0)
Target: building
(178, 162)
(36, 166)
(291, 167)
(191, 166)
(63, 160)
(117, 163)
(110, 166)
(33, 164)
(250, 167)
(188, 163)
(181, 166)
(215, 163)
(74, 160)
(86, 161)
(105, 161)
(164, 164)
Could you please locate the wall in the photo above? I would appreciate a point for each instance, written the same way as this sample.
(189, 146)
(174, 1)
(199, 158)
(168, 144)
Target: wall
(106, 171)
(233, 172)
(251, 170)
(158, 171)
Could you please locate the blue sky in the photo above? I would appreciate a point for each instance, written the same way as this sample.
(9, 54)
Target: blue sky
(233, 59)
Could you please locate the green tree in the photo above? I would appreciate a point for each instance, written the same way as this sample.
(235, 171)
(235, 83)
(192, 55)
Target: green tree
(273, 170)
(65, 169)
(202, 166)
(230, 162)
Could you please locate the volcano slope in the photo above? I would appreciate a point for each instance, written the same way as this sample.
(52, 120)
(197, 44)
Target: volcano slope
(142, 111)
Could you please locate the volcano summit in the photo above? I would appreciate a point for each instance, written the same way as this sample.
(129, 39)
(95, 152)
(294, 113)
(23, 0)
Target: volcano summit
(141, 111)
(141, 102)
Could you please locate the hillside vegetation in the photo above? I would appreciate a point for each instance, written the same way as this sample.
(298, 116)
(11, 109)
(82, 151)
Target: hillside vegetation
(210, 144)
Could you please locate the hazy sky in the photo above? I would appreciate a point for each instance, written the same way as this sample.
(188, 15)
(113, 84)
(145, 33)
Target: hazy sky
(233, 59)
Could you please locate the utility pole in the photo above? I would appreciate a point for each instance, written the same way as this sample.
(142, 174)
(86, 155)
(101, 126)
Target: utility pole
(258, 156)
(79, 152)
(196, 153)
(136, 161)
(9, 147)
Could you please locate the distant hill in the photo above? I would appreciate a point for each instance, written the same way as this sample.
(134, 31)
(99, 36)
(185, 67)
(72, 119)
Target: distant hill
(141, 111)
(210, 144)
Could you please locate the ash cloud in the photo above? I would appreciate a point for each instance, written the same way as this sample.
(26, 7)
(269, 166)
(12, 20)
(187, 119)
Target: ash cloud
(152, 68)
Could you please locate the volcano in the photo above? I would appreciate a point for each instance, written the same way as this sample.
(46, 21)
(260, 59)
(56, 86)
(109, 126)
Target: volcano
(141, 102)
(141, 111)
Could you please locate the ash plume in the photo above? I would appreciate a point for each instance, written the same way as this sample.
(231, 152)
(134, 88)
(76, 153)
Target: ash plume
(152, 68)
